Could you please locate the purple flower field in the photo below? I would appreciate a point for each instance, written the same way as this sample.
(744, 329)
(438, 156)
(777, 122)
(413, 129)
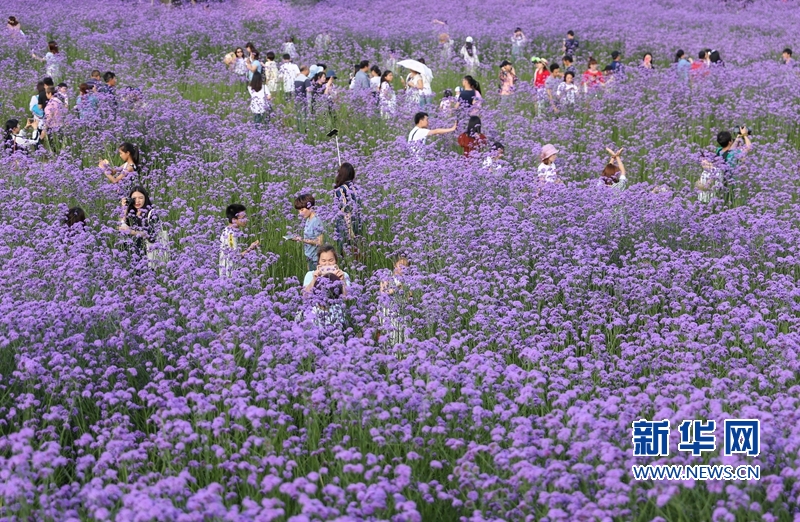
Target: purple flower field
(499, 375)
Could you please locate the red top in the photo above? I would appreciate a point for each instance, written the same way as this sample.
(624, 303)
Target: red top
(540, 77)
(471, 144)
(592, 78)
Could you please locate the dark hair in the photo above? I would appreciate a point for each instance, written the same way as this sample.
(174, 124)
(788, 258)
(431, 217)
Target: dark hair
(608, 68)
(571, 33)
(257, 82)
(702, 54)
(39, 86)
(131, 149)
(74, 215)
(592, 61)
(327, 248)
(255, 54)
(363, 63)
(9, 134)
(567, 58)
(84, 88)
(233, 210)
(473, 83)
(43, 97)
(421, 60)
(788, 51)
(47, 81)
(375, 69)
(678, 55)
(131, 205)
(12, 21)
(52, 46)
(614, 55)
(62, 84)
(304, 201)
(554, 67)
(715, 57)
(318, 76)
(346, 173)
(418, 117)
(270, 56)
(448, 93)
(286, 57)
(108, 76)
(569, 73)
(645, 55)
(610, 175)
(385, 74)
(330, 284)
(249, 45)
(498, 146)
(504, 63)
(724, 139)
(474, 126)
(51, 90)
(95, 72)
(518, 29)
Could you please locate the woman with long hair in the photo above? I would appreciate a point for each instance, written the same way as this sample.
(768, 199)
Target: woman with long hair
(14, 140)
(348, 219)
(52, 59)
(131, 166)
(139, 220)
(387, 99)
(259, 98)
(472, 140)
(87, 103)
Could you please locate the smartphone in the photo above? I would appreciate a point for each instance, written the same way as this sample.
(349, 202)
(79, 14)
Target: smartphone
(333, 133)
(288, 236)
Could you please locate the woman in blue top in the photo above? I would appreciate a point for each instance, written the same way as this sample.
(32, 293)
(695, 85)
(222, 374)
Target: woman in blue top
(313, 231)
(253, 65)
(684, 65)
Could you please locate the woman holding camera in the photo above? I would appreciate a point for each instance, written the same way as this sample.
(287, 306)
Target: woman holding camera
(327, 263)
(15, 140)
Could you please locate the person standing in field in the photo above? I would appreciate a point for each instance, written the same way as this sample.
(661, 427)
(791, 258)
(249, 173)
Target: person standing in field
(53, 59)
(287, 72)
(469, 52)
(508, 78)
(570, 45)
(289, 48)
(270, 73)
(518, 43)
(259, 98)
(313, 230)
(348, 219)
(386, 95)
(229, 253)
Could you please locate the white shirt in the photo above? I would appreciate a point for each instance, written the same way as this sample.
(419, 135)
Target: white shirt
(547, 173)
(418, 134)
(375, 83)
(228, 248)
(288, 72)
(258, 100)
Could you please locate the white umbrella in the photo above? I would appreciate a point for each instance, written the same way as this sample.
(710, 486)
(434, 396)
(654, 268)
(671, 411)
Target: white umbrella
(419, 67)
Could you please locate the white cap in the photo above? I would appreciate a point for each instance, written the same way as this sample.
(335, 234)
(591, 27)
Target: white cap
(469, 39)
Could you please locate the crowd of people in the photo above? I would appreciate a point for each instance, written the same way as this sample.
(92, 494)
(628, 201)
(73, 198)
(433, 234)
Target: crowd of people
(311, 90)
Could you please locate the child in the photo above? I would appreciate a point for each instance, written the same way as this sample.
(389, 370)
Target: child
(710, 181)
(390, 318)
(228, 242)
(571, 45)
(313, 231)
(547, 168)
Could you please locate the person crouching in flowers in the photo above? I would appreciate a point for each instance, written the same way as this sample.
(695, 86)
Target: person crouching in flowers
(325, 308)
(313, 231)
(326, 262)
(547, 168)
(229, 253)
(614, 172)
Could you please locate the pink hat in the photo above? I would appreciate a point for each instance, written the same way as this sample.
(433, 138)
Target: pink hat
(547, 151)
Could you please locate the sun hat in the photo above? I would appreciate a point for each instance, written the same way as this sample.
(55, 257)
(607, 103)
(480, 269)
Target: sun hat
(547, 151)
(535, 59)
(469, 39)
(330, 74)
